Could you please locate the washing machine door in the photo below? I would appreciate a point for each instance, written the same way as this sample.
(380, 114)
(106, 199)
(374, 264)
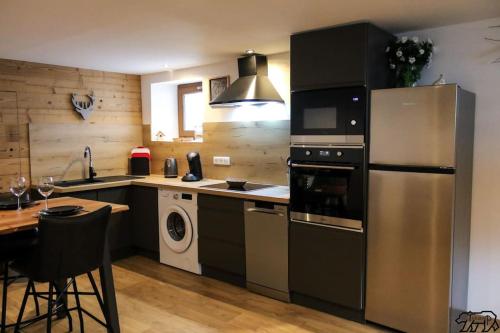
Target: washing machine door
(176, 229)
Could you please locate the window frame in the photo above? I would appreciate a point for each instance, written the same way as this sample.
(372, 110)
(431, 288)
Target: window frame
(184, 89)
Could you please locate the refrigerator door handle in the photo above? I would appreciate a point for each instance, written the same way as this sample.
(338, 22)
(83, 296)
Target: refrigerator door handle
(412, 168)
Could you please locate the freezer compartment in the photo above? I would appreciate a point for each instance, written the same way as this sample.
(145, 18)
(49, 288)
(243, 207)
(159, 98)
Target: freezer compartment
(409, 250)
(414, 126)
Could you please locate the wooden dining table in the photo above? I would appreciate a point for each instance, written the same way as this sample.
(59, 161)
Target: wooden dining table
(12, 221)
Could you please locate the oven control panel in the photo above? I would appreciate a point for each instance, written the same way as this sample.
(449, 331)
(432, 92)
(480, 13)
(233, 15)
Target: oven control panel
(347, 154)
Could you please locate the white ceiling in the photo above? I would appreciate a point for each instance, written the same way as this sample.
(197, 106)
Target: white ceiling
(141, 36)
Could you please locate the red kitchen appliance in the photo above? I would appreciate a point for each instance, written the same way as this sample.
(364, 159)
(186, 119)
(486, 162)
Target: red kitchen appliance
(140, 158)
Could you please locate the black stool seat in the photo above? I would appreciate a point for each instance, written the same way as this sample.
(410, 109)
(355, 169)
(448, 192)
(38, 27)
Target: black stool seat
(67, 247)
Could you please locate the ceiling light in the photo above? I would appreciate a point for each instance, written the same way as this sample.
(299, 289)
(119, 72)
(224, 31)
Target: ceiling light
(249, 51)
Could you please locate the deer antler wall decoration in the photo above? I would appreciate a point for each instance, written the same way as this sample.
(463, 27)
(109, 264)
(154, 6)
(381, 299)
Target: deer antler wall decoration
(84, 108)
(497, 60)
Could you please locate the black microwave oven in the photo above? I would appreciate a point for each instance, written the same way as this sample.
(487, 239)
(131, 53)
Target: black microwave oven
(326, 116)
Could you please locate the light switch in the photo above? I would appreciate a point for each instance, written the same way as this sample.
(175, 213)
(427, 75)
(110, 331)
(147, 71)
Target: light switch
(222, 160)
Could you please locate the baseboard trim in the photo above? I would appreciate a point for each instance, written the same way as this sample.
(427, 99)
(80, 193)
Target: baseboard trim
(331, 308)
(215, 273)
(121, 253)
(153, 255)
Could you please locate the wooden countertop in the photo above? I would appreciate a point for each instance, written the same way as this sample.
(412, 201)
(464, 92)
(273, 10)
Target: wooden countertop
(13, 220)
(277, 193)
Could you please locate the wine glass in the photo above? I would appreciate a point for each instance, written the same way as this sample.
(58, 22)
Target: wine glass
(18, 187)
(45, 188)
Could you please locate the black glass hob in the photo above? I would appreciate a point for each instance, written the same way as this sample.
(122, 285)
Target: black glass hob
(245, 188)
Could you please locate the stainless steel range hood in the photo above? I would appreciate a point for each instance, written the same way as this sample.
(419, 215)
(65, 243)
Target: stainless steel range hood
(252, 87)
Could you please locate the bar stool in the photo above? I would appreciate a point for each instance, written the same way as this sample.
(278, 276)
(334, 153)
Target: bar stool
(14, 246)
(67, 247)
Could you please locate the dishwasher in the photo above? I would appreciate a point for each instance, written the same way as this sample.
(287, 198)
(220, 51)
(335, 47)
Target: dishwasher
(266, 247)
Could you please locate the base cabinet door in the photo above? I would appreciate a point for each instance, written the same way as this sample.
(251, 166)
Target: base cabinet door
(88, 195)
(145, 224)
(221, 238)
(120, 229)
(119, 232)
(327, 264)
(222, 255)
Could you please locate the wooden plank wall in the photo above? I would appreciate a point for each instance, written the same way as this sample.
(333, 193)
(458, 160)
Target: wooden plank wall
(14, 151)
(44, 101)
(258, 150)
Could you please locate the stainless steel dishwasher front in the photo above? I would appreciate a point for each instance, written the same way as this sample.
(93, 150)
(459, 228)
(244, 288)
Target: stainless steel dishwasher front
(266, 247)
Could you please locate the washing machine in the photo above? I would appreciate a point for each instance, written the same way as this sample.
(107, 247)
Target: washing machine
(178, 216)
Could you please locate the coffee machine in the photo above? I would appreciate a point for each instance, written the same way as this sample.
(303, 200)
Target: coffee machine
(194, 173)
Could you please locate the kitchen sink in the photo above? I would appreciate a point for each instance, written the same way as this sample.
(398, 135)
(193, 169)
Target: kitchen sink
(77, 182)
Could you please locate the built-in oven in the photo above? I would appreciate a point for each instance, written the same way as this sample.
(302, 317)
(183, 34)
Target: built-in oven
(327, 185)
(335, 115)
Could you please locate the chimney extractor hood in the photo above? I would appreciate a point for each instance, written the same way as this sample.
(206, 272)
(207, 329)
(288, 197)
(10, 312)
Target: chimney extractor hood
(252, 87)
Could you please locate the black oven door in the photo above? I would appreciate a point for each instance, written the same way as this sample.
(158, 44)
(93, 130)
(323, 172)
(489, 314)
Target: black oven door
(327, 194)
(328, 112)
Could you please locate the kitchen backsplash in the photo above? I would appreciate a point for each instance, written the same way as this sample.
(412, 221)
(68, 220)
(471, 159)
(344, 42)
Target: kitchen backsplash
(258, 150)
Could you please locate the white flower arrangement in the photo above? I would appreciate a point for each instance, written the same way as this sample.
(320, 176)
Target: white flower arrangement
(407, 57)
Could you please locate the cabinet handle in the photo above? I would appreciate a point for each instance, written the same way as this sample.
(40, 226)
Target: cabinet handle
(328, 226)
(314, 166)
(265, 211)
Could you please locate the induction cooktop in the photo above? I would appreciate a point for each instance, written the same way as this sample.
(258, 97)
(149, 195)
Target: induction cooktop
(247, 187)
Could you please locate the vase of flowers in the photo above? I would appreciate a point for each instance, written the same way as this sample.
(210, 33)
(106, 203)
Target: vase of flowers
(407, 57)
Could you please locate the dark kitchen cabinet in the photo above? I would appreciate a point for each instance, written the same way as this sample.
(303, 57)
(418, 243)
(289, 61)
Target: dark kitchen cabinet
(327, 269)
(119, 232)
(119, 236)
(88, 195)
(348, 55)
(221, 238)
(145, 224)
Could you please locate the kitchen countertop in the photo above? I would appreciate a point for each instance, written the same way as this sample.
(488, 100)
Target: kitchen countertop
(12, 221)
(277, 193)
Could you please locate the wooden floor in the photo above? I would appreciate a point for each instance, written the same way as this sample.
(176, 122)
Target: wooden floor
(156, 298)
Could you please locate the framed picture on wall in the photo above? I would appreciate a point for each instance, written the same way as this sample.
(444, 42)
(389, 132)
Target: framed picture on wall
(218, 85)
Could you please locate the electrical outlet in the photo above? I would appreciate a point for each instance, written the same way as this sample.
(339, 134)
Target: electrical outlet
(222, 160)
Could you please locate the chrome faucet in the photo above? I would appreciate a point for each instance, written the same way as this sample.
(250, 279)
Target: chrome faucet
(92, 173)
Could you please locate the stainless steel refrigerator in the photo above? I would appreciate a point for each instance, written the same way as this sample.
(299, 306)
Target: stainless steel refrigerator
(420, 179)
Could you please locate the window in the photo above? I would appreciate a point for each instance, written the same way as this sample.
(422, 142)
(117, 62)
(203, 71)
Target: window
(190, 108)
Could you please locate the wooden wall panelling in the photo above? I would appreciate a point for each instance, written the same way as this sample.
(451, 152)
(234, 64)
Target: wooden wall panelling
(57, 151)
(258, 150)
(14, 151)
(44, 98)
(161, 150)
